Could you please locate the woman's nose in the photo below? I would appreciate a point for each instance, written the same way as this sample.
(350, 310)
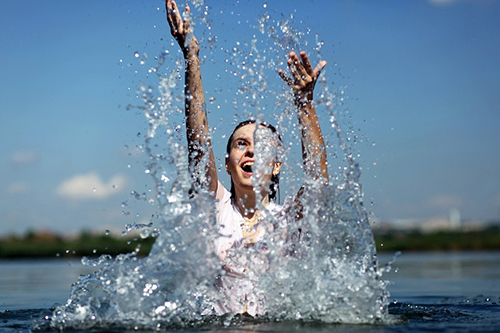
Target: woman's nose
(249, 151)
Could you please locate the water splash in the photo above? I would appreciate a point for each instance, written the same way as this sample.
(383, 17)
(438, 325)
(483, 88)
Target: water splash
(320, 268)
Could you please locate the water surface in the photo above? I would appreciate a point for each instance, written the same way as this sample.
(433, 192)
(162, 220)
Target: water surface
(429, 292)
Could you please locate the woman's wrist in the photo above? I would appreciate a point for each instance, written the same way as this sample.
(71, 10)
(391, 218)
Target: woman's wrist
(191, 59)
(192, 50)
(303, 99)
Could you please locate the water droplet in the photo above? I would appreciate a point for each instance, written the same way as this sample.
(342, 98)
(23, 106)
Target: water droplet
(145, 233)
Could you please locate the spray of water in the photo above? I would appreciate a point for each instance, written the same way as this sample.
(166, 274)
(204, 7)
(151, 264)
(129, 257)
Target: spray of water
(322, 267)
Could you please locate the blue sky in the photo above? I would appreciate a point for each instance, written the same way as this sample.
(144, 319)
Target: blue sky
(422, 79)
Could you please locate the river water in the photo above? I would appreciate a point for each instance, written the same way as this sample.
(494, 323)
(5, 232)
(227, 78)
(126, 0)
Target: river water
(330, 276)
(429, 292)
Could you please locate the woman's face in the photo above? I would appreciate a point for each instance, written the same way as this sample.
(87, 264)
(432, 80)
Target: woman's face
(240, 161)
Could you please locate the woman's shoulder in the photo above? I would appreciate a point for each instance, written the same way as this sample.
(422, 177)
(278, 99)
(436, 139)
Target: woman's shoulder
(222, 195)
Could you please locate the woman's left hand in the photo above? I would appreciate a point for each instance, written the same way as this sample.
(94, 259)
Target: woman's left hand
(304, 77)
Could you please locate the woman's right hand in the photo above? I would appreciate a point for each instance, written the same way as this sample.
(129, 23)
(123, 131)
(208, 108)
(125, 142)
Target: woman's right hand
(303, 78)
(181, 29)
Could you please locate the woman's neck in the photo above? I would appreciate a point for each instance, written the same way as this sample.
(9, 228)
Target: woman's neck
(247, 203)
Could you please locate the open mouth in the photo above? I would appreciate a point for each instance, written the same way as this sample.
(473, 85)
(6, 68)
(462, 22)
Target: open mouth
(247, 167)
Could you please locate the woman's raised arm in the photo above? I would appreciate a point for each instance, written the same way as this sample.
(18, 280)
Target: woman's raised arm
(302, 82)
(198, 135)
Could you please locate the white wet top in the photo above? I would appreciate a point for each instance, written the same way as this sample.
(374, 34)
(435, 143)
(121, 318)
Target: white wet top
(238, 287)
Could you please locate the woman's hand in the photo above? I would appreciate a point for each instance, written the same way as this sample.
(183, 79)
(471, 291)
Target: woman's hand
(302, 82)
(304, 77)
(181, 29)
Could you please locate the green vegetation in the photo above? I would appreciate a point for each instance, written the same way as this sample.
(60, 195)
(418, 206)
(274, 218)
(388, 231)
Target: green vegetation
(486, 239)
(46, 244)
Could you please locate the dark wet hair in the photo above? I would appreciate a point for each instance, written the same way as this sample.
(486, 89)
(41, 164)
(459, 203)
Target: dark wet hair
(275, 180)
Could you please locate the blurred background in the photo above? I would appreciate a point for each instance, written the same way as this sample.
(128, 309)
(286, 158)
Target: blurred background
(422, 83)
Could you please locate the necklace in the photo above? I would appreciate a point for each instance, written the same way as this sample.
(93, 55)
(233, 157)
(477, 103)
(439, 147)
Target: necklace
(248, 230)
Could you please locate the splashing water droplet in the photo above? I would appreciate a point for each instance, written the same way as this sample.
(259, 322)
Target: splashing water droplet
(329, 273)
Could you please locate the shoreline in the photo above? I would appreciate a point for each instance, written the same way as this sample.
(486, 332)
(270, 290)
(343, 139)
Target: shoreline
(45, 246)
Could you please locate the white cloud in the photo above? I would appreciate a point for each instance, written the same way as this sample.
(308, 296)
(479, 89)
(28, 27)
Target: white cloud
(26, 157)
(18, 188)
(90, 187)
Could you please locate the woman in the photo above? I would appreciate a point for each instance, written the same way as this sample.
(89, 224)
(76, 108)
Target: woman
(238, 214)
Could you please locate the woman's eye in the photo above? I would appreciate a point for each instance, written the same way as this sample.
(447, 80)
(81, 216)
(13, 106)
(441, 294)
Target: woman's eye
(241, 144)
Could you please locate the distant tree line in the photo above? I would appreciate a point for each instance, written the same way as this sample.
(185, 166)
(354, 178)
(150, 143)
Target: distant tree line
(49, 245)
(479, 240)
(46, 245)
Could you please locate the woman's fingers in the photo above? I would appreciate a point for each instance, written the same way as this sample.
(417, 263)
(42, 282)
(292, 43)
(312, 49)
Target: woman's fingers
(174, 19)
(170, 20)
(302, 69)
(296, 68)
(319, 68)
(303, 76)
(187, 25)
(306, 63)
(180, 28)
(285, 78)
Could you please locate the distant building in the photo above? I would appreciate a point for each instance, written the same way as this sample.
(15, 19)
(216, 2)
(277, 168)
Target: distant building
(452, 223)
(455, 219)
